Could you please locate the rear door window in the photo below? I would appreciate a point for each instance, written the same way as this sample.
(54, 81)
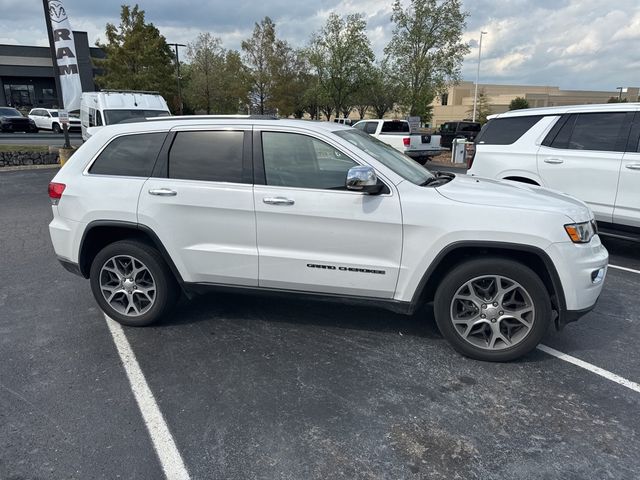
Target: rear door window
(129, 155)
(592, 131)
(505, 131)
(371, 127)
(212, 156)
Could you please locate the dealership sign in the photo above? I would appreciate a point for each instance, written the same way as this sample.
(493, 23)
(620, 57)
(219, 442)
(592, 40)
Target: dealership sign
(65, 55)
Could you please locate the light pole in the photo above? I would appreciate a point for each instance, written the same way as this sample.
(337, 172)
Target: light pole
(619, 93)
(475, 95)
(176, 45)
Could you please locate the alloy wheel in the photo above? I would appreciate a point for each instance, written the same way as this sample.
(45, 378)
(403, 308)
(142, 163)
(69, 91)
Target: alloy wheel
(127, 285)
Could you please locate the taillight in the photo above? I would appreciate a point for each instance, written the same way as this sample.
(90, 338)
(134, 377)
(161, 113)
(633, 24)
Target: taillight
(406, 141)
(55, 192)
(471, 154)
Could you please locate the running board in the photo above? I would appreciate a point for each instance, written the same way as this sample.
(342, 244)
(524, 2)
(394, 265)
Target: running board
(619, 234)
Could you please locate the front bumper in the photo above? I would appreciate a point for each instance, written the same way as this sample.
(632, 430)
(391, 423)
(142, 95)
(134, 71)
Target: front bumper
(582, 270)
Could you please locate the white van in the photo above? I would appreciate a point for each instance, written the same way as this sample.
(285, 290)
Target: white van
(109, 107)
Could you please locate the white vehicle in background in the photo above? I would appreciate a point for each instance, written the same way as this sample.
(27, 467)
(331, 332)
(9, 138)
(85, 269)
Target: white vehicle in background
(588, 151)
(397, 133)
(110, 107)
(47, 119)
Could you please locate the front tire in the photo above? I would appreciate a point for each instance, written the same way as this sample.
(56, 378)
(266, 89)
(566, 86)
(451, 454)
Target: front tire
(492, 309)
(56, 128)
(132, 283)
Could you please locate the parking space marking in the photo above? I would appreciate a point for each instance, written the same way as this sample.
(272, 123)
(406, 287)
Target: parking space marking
(626, 269)
(163, 443)
(592, 368)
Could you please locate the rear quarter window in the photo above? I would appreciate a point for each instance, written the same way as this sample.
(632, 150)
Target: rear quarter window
(505, 131)
(129, 155)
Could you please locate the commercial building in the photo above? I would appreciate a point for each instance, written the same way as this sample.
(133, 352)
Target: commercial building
(27, 75)
(457, 103)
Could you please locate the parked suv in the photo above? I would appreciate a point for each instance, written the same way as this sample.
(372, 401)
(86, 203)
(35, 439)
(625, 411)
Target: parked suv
(465, 129)
(591, 152)
(150, 209)
(47, 119)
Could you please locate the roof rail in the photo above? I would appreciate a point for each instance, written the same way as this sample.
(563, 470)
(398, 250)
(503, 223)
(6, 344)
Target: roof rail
(149, 92)
(199, 117)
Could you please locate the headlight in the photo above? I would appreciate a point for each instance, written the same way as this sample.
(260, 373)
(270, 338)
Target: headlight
(581, 232)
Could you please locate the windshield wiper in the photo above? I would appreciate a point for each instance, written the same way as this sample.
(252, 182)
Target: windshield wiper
(442, 177)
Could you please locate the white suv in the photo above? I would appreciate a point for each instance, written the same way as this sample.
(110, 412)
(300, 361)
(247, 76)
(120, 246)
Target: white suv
(590, 151)
(47, 119)
(151, 209)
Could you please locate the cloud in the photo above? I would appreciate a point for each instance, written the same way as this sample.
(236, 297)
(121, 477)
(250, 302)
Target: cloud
(575, 44)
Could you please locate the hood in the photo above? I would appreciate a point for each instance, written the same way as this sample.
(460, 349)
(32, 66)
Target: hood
(486, 191)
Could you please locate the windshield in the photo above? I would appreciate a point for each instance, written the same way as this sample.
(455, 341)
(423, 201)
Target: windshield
(387, 155)
(112, 117)
(9, 112)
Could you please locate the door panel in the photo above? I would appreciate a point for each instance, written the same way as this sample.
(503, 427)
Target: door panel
(207, 228)
(590, 176)
(203, 212)
(627, 209)
(316, 236)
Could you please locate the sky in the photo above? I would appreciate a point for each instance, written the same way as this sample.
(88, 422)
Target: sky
(573, 44)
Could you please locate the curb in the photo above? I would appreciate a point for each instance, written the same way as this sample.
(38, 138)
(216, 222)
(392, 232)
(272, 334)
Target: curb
(29, 167)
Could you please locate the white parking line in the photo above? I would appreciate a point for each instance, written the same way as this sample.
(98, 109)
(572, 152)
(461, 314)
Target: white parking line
(165, 446)
(624, 268)
(592, 368)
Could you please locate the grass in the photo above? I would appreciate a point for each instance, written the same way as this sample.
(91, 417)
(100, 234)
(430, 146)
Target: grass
(24, 148)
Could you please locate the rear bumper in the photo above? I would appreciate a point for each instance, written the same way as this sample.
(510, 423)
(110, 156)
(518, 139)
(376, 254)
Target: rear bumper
(70, 266)
(423, 153)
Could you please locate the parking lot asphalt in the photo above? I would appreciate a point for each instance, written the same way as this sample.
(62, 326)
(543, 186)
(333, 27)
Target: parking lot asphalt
(251, 388)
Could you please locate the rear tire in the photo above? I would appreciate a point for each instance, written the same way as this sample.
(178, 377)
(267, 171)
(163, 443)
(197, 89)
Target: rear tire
(492, 309)
(132, 283)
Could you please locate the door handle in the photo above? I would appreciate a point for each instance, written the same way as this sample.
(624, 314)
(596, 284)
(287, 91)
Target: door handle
(163, 192)
(553, 161)
(633, 166)
(278, 201)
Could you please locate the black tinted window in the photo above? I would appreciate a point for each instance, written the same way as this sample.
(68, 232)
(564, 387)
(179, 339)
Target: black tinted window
(292, 160)
(505, 131)
(469, 127)
(371, 127)
(596, 131)
(395, 127)
(131, 155)
(214, 156)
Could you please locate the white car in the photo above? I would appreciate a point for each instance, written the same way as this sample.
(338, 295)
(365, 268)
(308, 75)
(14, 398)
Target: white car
(590, 151)
(145, 210)
(47, 119)
(397, 133)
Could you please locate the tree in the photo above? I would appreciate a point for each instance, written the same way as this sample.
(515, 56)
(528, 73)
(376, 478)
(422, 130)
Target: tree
(426, 50)
(382, 91)
(218, 81)
(260, 56)
(518, 103)
(290, 80)
(483, 109)
(137, 56)
(340, 54)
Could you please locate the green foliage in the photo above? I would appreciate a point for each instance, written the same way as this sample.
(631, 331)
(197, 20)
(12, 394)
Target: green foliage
(341, 56)
(483, 109)
(218, 82)
(382, 91)
(518, 103)
(617, 100)
(426, 51)
(137, 56)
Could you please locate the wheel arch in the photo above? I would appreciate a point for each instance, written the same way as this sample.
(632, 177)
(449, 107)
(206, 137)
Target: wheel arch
(456, 253)
(101, 233)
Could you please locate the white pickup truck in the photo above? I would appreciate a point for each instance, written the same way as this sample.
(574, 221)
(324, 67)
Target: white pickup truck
(397, 133)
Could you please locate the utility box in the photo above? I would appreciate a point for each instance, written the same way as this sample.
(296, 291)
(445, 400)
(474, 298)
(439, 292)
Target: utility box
(458, 150)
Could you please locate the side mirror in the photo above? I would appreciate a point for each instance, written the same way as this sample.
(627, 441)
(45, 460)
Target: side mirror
(363, 179)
